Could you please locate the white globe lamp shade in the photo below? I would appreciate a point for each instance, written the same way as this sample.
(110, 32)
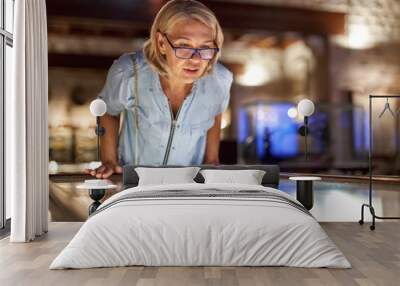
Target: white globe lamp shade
(305, 107)
(98, 107)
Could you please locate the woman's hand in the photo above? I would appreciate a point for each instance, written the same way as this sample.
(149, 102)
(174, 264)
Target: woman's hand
(105, 170)
(108, 149)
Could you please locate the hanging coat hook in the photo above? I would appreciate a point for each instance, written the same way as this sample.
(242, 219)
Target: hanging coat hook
(387, 107)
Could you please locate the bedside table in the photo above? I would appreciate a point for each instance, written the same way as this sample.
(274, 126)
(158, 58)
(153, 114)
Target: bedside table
(96, 193)
(304, 190)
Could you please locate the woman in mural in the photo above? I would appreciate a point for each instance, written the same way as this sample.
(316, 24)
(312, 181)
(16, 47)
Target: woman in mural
(167, 100)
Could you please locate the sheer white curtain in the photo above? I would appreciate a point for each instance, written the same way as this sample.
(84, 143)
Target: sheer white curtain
(26, 124)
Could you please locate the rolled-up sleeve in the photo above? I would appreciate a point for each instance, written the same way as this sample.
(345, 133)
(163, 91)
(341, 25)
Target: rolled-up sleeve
(113, 90)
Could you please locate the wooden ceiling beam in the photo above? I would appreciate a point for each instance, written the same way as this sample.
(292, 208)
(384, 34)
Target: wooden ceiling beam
(240, 17)
(81, 61)
(243, 16)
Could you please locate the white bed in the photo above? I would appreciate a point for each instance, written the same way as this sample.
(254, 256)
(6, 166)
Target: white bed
(224, 225)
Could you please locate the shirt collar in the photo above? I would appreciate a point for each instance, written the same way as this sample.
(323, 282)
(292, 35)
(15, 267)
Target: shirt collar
(159, 88)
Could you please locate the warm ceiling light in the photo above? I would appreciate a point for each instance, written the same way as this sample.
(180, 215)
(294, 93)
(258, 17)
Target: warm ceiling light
(254, 75)
(359, 37)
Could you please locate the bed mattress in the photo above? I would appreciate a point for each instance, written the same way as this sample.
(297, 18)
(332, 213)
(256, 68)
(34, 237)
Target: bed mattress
(201, 225)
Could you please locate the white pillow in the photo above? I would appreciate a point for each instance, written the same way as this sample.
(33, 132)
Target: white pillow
(249, 177)
(165, 176)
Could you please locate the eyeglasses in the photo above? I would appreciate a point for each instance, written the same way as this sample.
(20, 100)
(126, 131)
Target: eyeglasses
(188, 53)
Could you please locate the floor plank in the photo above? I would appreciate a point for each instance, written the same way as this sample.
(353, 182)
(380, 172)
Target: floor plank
(375, 257)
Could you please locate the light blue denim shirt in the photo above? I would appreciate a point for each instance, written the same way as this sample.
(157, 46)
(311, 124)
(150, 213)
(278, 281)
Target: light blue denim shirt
(160, 139)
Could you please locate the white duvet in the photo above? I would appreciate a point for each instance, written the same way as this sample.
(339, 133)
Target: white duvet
(192, 231)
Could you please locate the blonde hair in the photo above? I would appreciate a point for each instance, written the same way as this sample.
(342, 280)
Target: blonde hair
(168, 15)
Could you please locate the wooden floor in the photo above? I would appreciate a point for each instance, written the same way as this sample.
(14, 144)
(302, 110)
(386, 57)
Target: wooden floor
(374, 255)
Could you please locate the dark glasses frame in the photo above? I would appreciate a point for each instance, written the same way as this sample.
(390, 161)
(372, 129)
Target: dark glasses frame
(193, 50)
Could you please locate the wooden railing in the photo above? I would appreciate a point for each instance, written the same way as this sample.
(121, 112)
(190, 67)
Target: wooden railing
(78, 177)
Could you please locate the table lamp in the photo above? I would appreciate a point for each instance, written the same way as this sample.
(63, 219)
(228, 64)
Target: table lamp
(97, 187)
(98, 108)
(305, 108)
